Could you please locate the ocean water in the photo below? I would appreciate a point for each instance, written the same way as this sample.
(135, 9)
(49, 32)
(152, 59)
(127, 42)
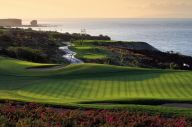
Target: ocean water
(164, 34)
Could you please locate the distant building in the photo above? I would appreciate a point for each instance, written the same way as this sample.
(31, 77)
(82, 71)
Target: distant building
(34, 23)
(10, 22)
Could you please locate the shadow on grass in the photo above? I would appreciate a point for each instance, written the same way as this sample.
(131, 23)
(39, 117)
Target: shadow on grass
(138, 75)
(152, 102)
(132, 75)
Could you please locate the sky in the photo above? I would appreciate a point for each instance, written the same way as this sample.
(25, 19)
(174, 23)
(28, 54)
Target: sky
(28, 9)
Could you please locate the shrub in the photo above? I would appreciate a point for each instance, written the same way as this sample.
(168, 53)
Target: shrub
(173, 66)
(27, 53)
(34, 115)
(4, 122)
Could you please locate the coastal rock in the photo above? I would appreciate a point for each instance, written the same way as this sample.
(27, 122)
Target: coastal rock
(10, 22)
(34, 23)
(132, 45)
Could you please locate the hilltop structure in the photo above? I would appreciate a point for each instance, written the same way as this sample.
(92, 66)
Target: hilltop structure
(10, 22)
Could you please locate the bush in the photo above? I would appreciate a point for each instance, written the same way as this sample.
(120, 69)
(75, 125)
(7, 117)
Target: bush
(173, 66)
(4, 122)
(34, 115)
(27, 53)
(5, 41)
(24, 123)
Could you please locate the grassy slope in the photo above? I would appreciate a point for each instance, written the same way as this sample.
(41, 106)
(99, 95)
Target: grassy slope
(91, 49)
(92, 82)
(87, 50)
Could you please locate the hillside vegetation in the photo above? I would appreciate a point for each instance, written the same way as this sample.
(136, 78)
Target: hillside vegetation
(128, 53)
(37, 46)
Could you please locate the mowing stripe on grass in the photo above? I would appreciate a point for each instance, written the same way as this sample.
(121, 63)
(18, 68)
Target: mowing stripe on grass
(77, 83)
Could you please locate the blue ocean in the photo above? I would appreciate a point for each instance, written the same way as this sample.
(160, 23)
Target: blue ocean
(164, 34)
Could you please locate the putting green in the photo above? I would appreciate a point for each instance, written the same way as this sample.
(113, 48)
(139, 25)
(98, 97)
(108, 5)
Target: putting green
(90, 52)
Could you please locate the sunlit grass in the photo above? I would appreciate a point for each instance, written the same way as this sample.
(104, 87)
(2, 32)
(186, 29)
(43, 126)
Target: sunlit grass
(91, 82)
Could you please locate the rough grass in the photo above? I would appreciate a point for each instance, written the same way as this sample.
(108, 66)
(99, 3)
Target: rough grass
(90, 83)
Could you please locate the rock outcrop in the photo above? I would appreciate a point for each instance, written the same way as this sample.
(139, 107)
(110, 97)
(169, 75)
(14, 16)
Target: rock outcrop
(10, 22)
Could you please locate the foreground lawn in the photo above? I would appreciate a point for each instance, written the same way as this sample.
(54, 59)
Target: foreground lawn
(94, 84)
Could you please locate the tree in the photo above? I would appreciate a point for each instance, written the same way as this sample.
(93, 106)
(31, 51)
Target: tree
(5, 41)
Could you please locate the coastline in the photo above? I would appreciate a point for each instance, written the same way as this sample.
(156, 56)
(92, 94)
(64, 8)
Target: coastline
(166, 34)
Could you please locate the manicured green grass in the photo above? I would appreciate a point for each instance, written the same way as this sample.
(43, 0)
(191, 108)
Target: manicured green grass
(74, 84)
(90, 52)
(90, 42)
(87, 50)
